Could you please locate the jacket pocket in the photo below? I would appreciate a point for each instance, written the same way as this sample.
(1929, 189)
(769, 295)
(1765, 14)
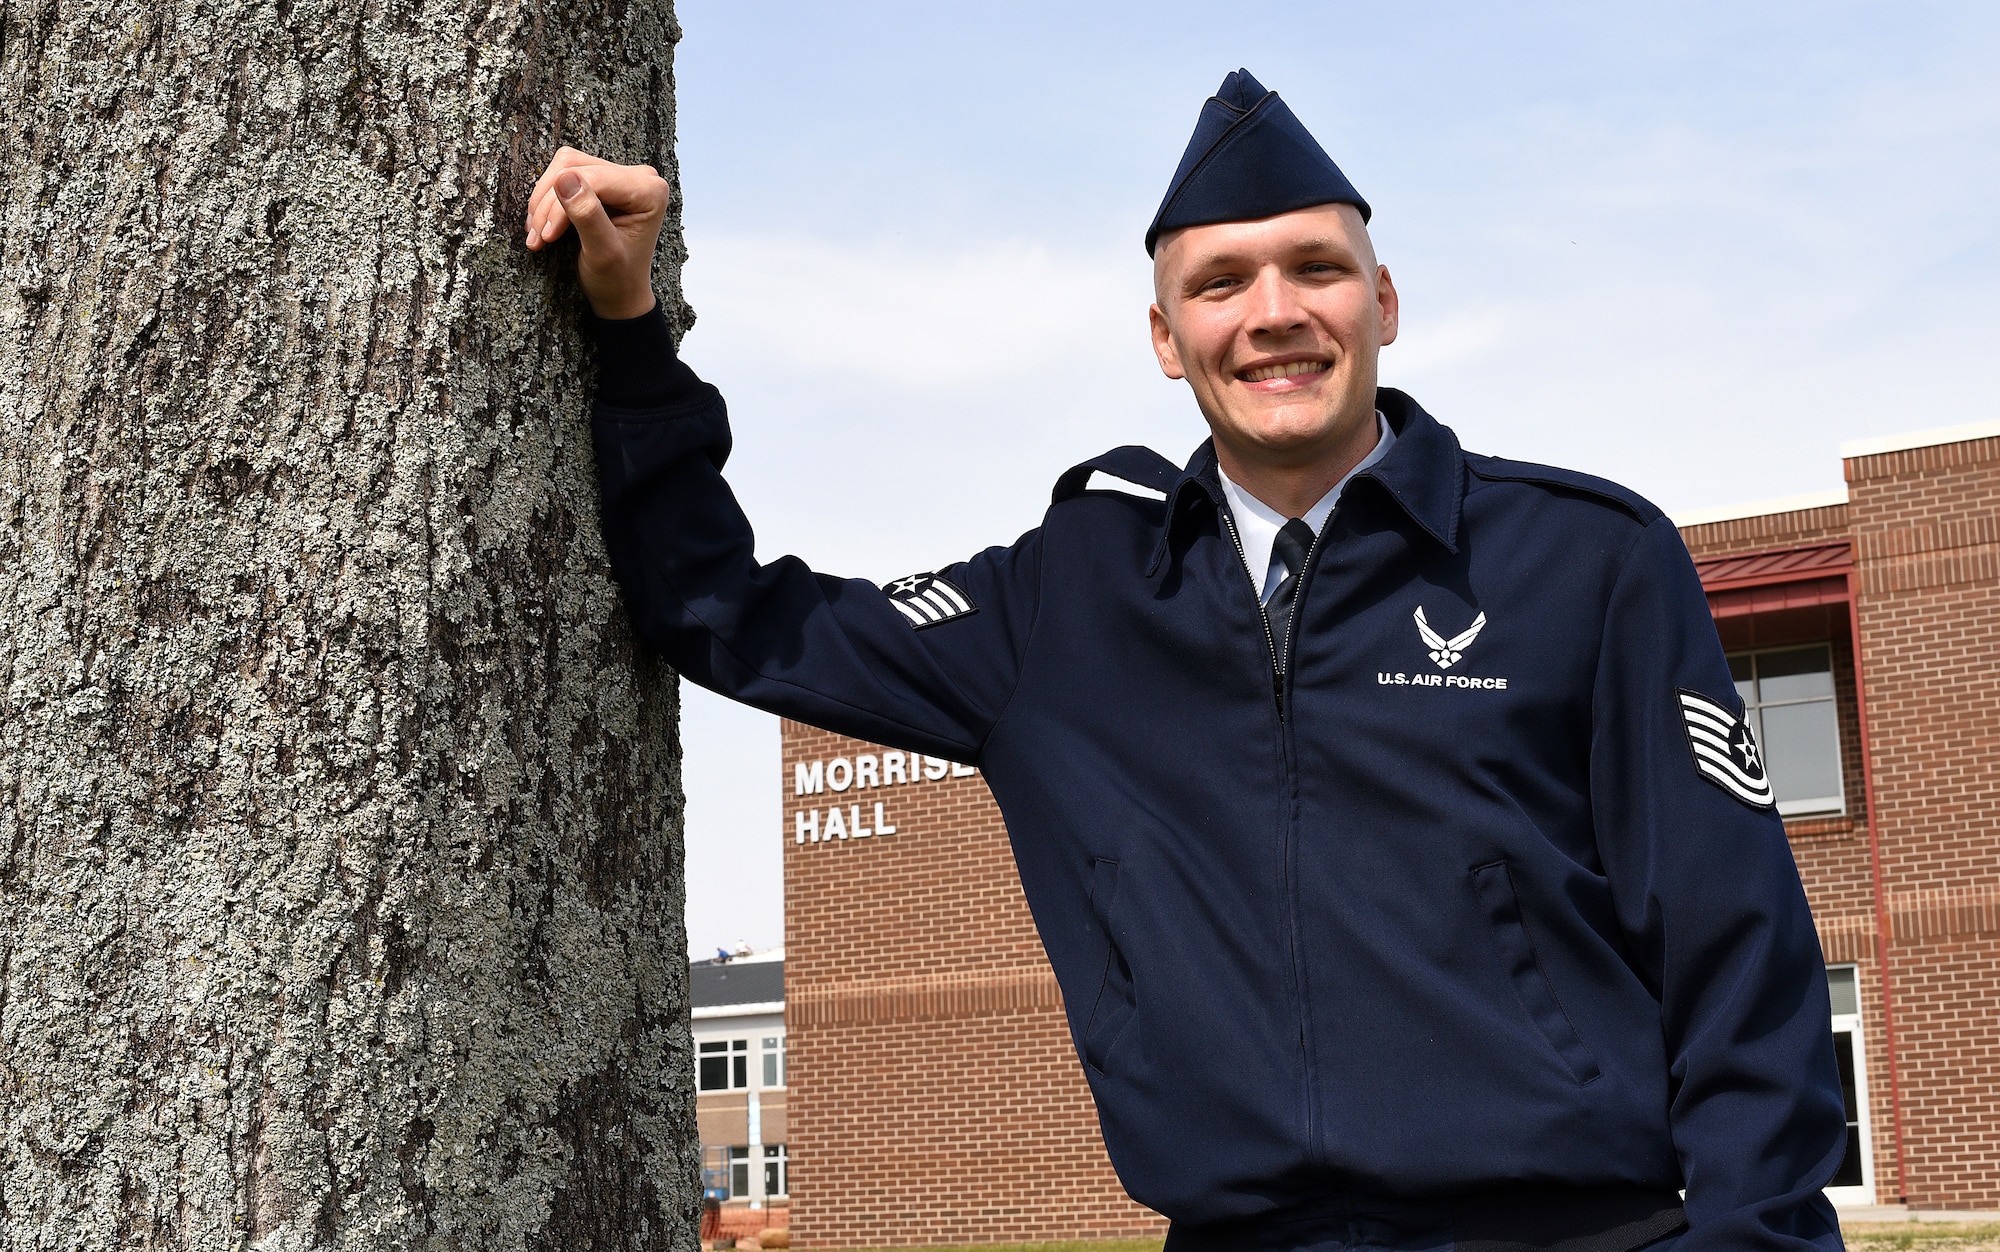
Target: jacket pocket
(1517, 956)
(1112, 1010)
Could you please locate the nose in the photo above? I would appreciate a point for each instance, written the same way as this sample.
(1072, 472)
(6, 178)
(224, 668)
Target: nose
(1275, 307)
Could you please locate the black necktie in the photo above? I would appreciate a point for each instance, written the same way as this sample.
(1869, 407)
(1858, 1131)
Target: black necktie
(1290, 546)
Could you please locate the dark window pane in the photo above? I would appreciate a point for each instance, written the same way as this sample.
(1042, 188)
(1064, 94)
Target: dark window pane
(715, 1073)
(1849, 1173)
(1795, 674)
(717, 1046)
(1840, 987)
(1740, 671)
(742, 1071)
(1843, 1056)
(1802, 753)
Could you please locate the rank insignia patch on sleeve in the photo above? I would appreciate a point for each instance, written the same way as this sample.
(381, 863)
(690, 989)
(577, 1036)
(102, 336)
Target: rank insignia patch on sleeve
(1725, 751)
(927, 600)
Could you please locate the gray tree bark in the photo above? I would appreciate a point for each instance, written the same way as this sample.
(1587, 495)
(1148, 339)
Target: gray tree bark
(340, 896)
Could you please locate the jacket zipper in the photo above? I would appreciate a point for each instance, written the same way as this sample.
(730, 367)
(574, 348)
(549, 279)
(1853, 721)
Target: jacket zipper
(1298, 974)
(1298, 596)
(1291, 909)
(1257, 594)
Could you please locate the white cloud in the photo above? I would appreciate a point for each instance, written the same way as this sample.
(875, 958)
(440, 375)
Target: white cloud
(912, 317)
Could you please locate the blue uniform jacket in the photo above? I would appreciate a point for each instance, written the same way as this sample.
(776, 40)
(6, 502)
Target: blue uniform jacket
(1383, 926)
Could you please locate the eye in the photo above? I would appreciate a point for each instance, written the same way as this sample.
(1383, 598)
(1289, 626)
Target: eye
(1221, 282)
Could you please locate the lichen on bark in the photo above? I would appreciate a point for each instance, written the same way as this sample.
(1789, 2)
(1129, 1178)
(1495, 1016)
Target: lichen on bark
(340, 895)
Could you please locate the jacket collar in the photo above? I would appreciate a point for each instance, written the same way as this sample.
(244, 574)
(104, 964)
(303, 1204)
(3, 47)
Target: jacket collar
(1424, 474)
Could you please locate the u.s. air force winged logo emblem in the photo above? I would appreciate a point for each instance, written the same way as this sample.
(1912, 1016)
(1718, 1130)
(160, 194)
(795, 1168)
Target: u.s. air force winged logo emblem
(928, 600)
(1447, 652)
(1725, 751)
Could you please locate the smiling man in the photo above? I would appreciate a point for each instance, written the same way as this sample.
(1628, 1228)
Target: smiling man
(1386, 810)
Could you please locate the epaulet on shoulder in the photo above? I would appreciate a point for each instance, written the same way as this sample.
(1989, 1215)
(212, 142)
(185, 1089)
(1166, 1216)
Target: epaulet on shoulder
(1497, 469)
(1148, 473)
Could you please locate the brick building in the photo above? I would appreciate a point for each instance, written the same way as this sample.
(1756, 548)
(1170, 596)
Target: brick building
(934, 1094)
(740, 1088)
(1905, 878)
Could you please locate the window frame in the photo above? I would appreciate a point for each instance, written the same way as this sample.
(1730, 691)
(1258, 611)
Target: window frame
(734, 1052)
(771, 1048)
(1753, 710)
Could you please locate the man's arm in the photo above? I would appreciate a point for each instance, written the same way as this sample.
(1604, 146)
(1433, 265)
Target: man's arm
(837, 653)
(1705, 885)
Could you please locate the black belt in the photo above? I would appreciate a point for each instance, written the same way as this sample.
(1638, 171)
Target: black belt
(1525, 1217)
(1564, 1219)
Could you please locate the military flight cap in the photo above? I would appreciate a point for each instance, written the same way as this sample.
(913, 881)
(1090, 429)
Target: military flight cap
(1250, 157)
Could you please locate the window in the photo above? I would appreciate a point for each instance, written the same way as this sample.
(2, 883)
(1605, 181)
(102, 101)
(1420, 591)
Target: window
(775, 1161)
(1788, 697)
(726, 1171)
(774, 1060)
(722, 1065)
(714, 1173)
(1854, 1182)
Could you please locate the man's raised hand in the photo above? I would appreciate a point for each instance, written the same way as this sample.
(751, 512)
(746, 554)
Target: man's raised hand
(617, 211)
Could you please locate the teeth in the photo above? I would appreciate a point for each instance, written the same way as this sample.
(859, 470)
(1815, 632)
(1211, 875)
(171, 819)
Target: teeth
(1284, 371)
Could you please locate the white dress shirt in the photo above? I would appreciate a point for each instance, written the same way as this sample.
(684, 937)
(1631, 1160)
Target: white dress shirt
(1257, 523)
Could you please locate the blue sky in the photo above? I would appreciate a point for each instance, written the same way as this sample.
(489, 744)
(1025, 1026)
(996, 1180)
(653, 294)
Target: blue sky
(1691, 247)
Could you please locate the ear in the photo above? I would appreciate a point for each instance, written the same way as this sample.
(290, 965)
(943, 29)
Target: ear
(1388, 302)
(1163, 343)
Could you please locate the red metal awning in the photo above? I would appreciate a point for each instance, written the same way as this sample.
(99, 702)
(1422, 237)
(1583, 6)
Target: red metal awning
(1787, 578)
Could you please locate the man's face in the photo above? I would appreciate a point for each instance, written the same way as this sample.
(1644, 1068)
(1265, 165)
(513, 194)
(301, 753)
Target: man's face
(1276, 324)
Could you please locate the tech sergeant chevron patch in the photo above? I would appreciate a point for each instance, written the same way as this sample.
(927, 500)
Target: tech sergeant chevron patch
(928, 600)
(1725, 751)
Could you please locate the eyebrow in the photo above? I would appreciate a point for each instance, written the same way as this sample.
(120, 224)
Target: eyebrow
(1320, 244)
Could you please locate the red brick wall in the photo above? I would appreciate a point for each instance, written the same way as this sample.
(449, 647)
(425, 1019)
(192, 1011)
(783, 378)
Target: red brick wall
(1925, 524)
(1926, 527)
(1766, 531)
(935, 1097)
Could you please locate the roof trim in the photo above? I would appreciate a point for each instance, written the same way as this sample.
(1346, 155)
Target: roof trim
(755, 1008)
(1918, 439)
(1759, 508)
(1798, 563)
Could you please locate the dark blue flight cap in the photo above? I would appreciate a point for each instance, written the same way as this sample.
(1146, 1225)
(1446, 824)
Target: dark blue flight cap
(1250, 157)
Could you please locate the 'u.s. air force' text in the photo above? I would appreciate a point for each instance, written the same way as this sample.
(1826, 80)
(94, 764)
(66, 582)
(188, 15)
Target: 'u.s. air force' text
(1440, 680)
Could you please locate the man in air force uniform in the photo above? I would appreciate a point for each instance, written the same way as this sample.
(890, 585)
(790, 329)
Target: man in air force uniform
(1387, 811)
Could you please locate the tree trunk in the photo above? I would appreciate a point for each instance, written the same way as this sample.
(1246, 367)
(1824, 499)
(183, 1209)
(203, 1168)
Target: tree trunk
(340, 817)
